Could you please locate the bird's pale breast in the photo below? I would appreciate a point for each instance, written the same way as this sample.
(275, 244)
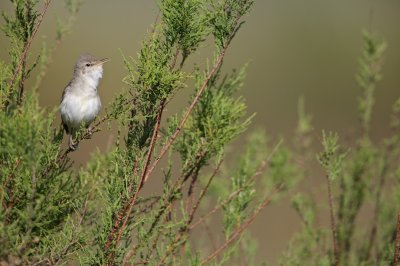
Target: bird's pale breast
(79, 108)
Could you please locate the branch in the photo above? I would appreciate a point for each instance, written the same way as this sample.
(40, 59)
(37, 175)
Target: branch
(333, 225)
(133, 199)
(203, 192)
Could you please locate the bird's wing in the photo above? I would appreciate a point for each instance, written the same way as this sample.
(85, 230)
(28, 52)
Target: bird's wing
(65, 91)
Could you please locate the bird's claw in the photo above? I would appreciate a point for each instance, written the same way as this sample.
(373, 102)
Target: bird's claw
(73, 146)
(89, 132)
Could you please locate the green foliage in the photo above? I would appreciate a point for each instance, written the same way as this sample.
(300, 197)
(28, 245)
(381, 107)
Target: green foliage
(330, 159)
(52, 213)
(185, 24)
(35, 200)
(156, 82)
(371, 62)
(216, 120)
(224, 19)
(20, 28)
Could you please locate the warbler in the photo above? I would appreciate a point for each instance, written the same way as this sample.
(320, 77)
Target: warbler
(80, 101)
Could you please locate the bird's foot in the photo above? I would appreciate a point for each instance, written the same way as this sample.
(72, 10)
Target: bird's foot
(72, 145)
(89, 132)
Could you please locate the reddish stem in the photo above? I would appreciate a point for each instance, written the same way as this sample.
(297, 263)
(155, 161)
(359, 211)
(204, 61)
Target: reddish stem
(133, 199)
(28, 45)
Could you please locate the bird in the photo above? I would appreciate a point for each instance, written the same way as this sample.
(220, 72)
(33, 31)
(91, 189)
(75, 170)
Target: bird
(80, 100)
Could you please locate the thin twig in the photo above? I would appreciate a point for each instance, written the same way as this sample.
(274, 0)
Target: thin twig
(240, 230)
(203, 192)
(169, 201)
(333, 224)
(95, 128)
(216, 208)
(153, 141)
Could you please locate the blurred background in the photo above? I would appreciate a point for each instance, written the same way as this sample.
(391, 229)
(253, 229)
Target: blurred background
(296, 48)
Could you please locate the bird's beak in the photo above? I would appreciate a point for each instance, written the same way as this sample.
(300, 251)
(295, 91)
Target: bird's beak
(102, 61)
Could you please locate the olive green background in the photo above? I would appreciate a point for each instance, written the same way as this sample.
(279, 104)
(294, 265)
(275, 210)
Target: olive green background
(295, 48)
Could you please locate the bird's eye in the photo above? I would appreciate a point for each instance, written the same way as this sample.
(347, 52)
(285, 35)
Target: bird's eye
(88, 65)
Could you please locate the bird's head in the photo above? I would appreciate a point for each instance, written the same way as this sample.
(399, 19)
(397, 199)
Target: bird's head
(90, 67)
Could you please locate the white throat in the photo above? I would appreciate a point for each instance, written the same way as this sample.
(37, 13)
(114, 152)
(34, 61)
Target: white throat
(93, 77)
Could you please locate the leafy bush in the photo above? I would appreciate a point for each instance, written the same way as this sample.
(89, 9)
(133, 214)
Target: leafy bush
(52, 213)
